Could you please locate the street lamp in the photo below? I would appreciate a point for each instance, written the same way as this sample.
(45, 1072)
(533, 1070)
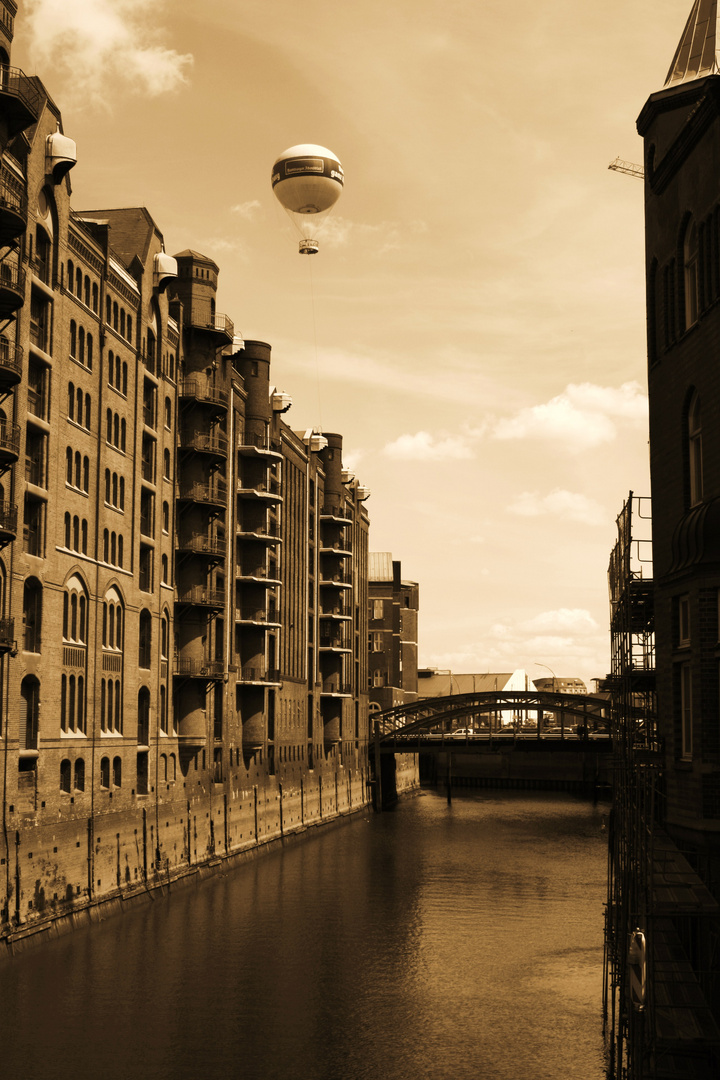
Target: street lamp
(538, 664)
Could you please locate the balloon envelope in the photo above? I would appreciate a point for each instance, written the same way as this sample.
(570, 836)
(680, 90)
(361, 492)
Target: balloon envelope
(307, 181)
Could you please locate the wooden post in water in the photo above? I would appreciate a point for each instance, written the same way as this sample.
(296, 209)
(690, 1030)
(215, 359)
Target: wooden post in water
(449, 777)
(378, 771)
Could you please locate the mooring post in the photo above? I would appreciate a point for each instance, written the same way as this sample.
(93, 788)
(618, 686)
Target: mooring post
(449, 777)
(378, 772)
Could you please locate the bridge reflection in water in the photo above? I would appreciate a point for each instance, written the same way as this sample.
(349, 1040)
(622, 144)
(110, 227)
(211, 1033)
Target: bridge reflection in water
(517, 738)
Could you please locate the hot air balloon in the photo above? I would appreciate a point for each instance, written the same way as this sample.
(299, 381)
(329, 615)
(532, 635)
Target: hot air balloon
(307, 181)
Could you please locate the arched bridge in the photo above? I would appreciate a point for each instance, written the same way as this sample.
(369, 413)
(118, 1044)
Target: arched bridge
(497, 728)
(513, 715)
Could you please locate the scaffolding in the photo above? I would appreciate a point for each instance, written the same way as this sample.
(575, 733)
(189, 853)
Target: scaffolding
(660, 995)
(636, 778)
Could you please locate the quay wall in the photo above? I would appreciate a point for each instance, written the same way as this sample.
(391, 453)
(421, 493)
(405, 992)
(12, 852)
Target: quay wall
(59, 874)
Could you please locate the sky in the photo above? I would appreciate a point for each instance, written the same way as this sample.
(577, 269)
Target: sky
(474, 322)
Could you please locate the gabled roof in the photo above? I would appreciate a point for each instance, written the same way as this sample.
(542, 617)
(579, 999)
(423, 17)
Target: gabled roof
(696, 55)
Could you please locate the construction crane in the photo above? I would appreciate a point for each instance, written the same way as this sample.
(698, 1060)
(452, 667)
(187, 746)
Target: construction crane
(618, 165)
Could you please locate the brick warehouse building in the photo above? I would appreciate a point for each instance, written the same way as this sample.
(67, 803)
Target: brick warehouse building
(184, 608)
(663, 935)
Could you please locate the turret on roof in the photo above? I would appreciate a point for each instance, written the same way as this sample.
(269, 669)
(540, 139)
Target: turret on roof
(696, 55)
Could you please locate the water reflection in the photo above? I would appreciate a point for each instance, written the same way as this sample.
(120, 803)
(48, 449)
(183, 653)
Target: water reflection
(456, 942)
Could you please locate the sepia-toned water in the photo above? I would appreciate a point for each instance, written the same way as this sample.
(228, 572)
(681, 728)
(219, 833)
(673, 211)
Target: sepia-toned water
(457, 942)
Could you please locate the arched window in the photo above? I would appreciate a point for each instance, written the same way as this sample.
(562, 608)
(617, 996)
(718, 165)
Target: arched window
(690, 259)
(129, 328)
(165, 570)
(168, 412)
(166, 517)
(71, 401)
(32, 615)
(108, 310)
(75, 611)
(70, 275)
(65, 775)
(79, 406)
(67, 516)
(163, 767)
(73, 338)
(105, 772)
(95, 297)
(117, 772)
(695, 458)
(90, 351)
(79, 775)
(68, 468)
(145, 639)
(124, 378)
(81, 345)
(163, 710)
(115, 316)
(29, 712)
(78, 282)
(143, 736)
(87, 291)
(88, 423)
(166, 464)
(108, 426)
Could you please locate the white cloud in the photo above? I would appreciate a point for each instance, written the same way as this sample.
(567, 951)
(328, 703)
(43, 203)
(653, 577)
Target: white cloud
(425, 447)
(247, 209)
(584, 416)
(567, 640)
(559, 503)
(562, 620)
(99, 44)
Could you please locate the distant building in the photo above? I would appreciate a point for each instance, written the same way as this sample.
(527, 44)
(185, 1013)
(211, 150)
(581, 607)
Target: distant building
(561, 686)
(434, 683)
(393, 634)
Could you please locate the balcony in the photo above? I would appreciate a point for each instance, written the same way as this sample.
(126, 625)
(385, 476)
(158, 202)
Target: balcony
(201, 544)
(336, 643)
(259, 617)
(11, 357)
(203, 491)
(200, 596)
(8, 522)
(7, 636)
(335, 688)
(342, 548)
(199, 668)
(20, 100)
(249, 673)
(197, 390)
(9, 443)
(266, 491)
(337, 613)
(12, 289)
(334, 512)
(260, 575)
(269, 534)
(204, 442)
(339, 579)
(219, 324)
(258, 446)
(13, 207)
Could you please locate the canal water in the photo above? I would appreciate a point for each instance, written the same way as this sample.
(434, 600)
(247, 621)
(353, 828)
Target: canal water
(432, 942)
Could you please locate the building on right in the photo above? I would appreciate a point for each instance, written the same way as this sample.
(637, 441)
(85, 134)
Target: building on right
(665, 925)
